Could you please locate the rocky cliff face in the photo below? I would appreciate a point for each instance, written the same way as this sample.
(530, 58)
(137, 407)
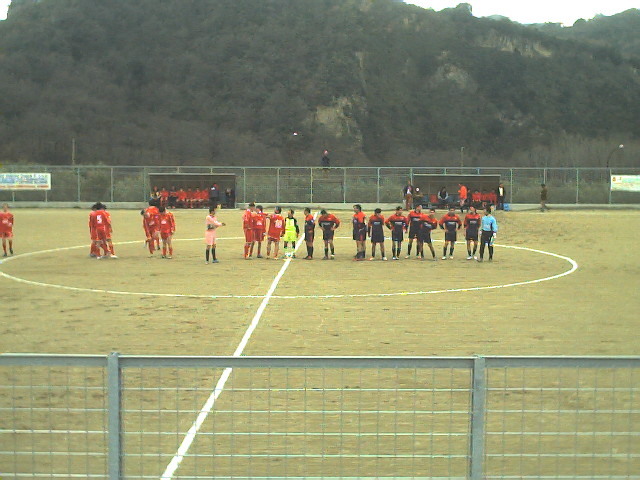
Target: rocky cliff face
(525, 47)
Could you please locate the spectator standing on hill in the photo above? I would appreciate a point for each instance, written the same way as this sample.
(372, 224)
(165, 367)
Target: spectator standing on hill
(501, 193)
(325, 161)
(543, 198)
(407, 193)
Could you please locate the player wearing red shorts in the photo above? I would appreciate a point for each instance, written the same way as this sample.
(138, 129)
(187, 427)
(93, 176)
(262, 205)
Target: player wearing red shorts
(167, 224)
(259, 229)
(95, 251)
(100, 223)
(151, 224)
(247, 226)
(276, 230)
(6, 229)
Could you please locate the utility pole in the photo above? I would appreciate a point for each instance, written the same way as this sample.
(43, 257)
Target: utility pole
(73, 151)
(461, 157)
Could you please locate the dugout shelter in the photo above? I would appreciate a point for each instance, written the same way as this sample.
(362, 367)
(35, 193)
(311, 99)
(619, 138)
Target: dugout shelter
(430, 185)
(193, 181)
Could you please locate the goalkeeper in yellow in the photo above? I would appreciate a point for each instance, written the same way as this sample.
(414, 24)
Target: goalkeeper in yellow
(291, 232)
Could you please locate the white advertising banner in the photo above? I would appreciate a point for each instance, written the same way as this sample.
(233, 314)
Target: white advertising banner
(625, 183)
(25, 181)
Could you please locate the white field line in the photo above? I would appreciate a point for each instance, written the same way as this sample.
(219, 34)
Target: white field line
(208, 405)
(574, 267)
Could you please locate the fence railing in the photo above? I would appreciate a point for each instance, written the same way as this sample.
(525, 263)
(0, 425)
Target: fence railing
(318, 185)
(141, 417)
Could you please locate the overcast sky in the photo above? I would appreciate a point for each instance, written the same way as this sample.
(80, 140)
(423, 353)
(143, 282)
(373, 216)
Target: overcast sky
(565, 11)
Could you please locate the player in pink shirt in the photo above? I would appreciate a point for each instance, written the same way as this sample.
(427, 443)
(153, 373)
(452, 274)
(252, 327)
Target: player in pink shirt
(210, 235)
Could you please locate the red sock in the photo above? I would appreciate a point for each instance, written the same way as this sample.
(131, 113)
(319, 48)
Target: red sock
(111, 249)
(246, 249)
(150, 241)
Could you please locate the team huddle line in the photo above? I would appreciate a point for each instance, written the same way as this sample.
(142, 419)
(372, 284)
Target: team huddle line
(417, 225)
(159, 225)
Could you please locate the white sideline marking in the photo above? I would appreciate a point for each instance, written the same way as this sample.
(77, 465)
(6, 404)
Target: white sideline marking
(574, 267)
(208, 405)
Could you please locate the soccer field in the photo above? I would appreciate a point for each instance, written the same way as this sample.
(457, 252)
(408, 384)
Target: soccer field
(141, 305)
(532, 300)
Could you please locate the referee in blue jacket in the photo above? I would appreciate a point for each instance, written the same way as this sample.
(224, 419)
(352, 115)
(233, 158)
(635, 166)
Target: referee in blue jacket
(488, 234)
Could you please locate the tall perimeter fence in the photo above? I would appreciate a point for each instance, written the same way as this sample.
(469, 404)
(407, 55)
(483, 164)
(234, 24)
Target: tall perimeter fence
(318, 185)
(133, 417)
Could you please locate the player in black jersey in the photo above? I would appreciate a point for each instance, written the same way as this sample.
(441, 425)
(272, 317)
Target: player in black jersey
(414, 220)
(397, 223)
(375, 229)
(309, 232)
(328, 222)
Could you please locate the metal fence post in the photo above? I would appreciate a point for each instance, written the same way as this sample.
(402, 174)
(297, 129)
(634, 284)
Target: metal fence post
(378, 189)
(114, 391)
(609, 183)
(78, 178)
(478, 407)
(278, 185)
(577, 185)
(511, 185)
(344, 184)
(244, 185)
(112, 186)
(311, 185)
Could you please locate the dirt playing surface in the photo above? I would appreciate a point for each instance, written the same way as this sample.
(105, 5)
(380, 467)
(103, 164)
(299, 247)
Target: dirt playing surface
(592, 311)
(57, 300)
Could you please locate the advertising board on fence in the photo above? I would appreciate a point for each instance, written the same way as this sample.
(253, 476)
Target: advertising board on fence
(25, 181)
(625, 183)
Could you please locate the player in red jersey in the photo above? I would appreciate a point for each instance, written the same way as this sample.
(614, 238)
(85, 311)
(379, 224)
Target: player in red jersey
(375, 229)
(100, 223)
(259, 229)
(95, 251)
(472, 222)
(397, 223)
(167, 224)
(276, 230)
(6, 229)
(151, 224)
(309, 232)
(328, 223)
(109, 232)
(247, 226)
(450, 223)
(359, 221)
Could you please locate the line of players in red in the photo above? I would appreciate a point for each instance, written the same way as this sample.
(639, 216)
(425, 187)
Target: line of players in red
(417, 225)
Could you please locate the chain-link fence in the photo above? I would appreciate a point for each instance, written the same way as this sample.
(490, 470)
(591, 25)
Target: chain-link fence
(318, 185)
(291, 418)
